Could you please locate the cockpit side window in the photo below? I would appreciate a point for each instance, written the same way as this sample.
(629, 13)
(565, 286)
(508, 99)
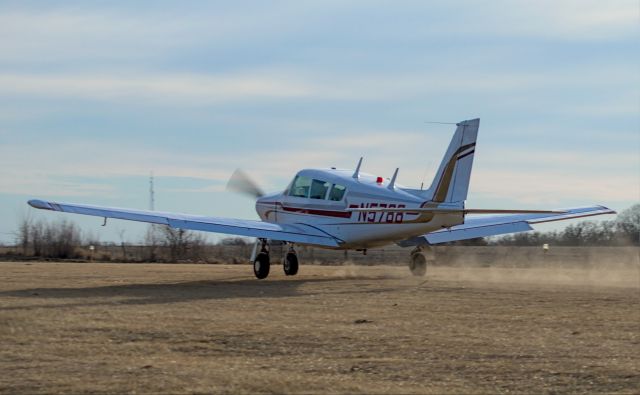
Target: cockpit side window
(319, 189)
(337, 193)
(300, 187)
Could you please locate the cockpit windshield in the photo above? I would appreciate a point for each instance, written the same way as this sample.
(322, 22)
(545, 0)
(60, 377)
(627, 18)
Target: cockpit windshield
(300, 187)
(309, 188)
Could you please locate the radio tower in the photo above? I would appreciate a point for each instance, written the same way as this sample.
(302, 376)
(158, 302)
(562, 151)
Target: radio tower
(151, 238)
(152, 194)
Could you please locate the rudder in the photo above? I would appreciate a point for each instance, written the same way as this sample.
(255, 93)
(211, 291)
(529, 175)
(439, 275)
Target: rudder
(451, 183)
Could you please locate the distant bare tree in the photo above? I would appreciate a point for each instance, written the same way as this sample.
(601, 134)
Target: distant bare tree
(628, 224)
(123, 243)
(23, 235)
(151, 242)
(37, 237)
(183, 244)
(49, 240)
(64, 238)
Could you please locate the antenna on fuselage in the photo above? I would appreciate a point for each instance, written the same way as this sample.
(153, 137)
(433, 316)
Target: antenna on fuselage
(442, 123)
(392, 183)
(356, 174)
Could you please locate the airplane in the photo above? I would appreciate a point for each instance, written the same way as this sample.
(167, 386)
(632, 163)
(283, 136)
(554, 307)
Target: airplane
(350, 210)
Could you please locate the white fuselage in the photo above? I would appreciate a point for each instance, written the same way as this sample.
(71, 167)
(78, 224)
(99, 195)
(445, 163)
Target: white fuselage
(322, 199)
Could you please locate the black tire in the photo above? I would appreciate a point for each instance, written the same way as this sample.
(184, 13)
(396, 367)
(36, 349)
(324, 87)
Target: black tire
(291, 264)
(261, 265)
(418, 264)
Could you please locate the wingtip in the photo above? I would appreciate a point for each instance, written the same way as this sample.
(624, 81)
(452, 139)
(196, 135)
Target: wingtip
(610, 210)
(39, 204)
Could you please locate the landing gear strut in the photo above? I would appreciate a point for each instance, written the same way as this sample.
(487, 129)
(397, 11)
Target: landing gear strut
(261, 261)
(290, 264)
(420, 256)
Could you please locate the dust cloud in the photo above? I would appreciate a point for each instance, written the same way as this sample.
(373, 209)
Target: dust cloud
(592, 277)
(351, 271)
(592, 270)
(574, 267)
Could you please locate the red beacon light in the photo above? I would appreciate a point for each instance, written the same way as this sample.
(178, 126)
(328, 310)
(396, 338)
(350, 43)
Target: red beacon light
(379, 180)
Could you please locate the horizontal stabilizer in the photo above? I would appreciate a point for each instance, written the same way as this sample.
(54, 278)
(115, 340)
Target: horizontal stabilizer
(502, 224)
(481, 231)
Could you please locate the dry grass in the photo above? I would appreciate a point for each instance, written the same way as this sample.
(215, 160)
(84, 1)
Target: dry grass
(194, 328)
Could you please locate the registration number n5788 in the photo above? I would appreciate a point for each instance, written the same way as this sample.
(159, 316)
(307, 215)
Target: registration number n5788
(380, 216)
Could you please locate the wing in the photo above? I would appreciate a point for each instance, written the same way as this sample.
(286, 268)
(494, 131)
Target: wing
(502, 224)
(298, 233)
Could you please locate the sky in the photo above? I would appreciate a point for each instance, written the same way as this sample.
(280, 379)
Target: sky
(96, 95)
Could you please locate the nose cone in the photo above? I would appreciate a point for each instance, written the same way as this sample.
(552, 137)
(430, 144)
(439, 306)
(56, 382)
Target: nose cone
(266, 206)
(263, 201)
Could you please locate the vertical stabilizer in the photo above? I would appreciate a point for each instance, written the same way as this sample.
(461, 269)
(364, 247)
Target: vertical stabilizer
(451, 182)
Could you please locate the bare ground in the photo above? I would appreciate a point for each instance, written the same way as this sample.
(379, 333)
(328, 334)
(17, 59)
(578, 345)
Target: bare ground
(117, 328)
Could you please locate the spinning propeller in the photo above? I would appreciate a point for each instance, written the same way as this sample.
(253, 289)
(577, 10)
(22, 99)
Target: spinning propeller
(240, 182)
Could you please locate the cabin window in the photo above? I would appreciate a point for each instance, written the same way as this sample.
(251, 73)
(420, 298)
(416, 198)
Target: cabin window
(300, 187)
(319, 189)
(337, 192)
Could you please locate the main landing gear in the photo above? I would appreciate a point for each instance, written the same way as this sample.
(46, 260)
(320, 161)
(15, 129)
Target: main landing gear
(262, 262)
(420, 257)
(290, 263)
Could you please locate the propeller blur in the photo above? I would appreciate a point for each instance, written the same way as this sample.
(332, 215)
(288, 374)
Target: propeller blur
(242, 183)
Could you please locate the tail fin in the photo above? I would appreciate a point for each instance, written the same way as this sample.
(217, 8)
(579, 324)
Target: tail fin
(451, 182)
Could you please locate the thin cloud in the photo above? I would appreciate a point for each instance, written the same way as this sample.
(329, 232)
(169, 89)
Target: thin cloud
(495, 174)
(535, 187)
(32, 184)
(562, 160)
(575, 20)
(284, 84)
(171, 88)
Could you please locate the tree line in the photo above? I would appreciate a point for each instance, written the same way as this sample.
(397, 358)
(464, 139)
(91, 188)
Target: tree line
(64, 239)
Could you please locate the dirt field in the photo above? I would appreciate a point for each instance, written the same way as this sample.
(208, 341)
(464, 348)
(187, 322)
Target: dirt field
(212, 328)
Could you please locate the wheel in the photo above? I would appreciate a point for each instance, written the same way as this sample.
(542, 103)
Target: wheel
(291, 264)
(261, 265)
(418, 264)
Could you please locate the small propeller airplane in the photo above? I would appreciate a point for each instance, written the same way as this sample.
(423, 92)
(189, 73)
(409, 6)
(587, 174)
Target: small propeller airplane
(347, 209)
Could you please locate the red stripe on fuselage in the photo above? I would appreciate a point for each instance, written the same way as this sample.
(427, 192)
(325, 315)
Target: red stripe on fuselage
(324, 213)
(311, 211)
